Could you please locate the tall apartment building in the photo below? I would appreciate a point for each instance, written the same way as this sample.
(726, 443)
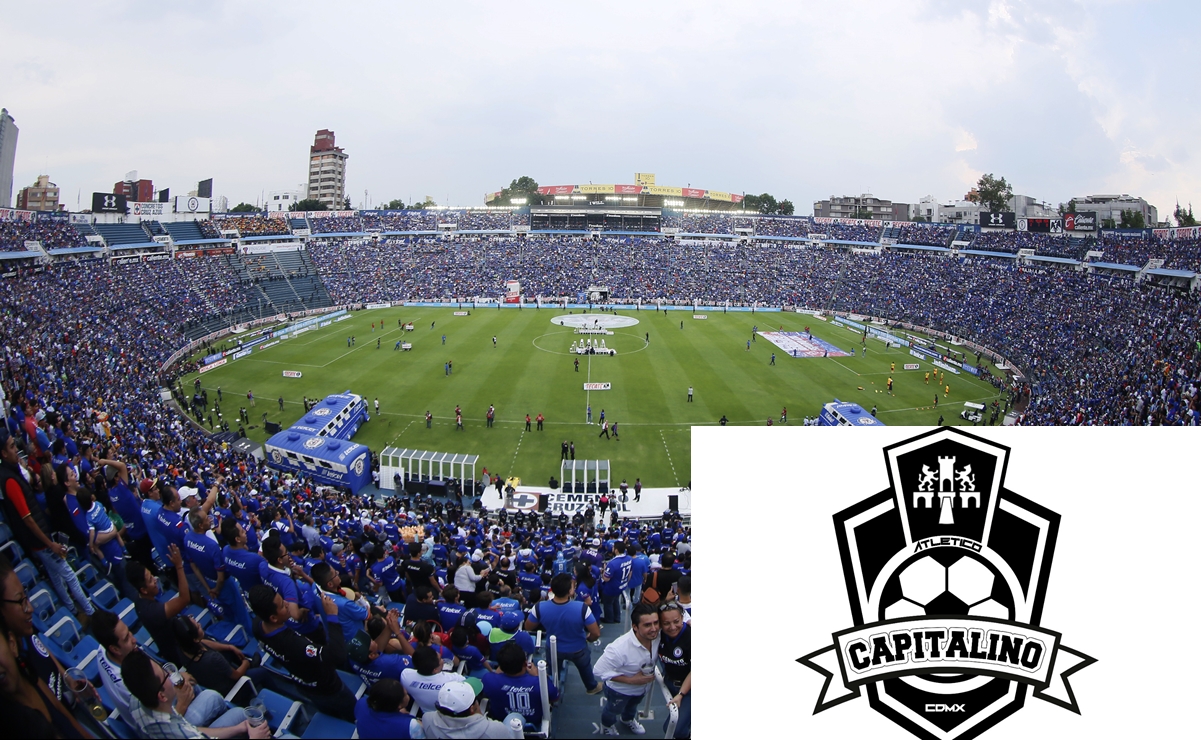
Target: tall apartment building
(8, 157)
(135, 190)
(861, 206)
(327, 171)
(40, 196)
(1112, 205)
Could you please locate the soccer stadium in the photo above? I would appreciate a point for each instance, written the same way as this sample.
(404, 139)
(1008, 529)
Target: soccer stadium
(462, 435)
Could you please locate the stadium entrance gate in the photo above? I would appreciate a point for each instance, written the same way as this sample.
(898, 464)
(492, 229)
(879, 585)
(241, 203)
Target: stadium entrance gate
(425, 471)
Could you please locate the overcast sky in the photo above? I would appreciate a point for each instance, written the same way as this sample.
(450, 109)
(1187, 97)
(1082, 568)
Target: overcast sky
(801, 99)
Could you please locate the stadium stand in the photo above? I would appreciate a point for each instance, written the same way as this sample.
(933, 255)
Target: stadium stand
(118, 234)
(51, 234)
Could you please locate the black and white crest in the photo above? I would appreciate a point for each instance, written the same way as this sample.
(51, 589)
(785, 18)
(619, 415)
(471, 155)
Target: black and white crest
(946, 573)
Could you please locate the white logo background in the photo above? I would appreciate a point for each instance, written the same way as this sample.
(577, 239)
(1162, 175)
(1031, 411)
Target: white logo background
(1120, 560)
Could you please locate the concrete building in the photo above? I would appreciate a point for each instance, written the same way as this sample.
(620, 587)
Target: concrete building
(327, 171)
(968, 212)
(8, 157)
(861, 206)
(40, 196)
(135, 190)
(1109, 206)
(282, 200)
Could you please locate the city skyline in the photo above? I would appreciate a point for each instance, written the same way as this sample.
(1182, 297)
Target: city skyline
(1064, 99)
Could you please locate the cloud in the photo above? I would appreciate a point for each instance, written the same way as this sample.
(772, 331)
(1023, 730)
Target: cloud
(802, 100)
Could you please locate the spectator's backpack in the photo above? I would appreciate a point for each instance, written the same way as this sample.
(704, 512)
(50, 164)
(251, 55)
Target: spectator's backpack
(650, 594)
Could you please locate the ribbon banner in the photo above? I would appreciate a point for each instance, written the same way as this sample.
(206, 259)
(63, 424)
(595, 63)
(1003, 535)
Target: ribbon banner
(969, 646)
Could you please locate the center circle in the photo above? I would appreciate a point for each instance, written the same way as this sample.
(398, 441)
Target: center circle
(594, 321)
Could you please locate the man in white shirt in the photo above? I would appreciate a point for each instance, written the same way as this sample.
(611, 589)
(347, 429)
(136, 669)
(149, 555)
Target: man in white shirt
(627, 669)
(425, 679)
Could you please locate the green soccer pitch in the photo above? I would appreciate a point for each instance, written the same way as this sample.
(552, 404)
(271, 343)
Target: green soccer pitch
(530, 371)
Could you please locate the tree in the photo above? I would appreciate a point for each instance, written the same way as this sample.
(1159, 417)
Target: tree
(863, 213)
(427, 203)
(1069, 207)
(396, 204)
(347, 204)
(244, 208)
(767, 204)
(1132, 219)
(994, 192)
(1184, 218)
(1108, 223)
(308, 204)
(524, 187)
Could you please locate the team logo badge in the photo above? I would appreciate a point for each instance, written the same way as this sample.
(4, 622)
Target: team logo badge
(313, 443)
(357, 466)
(946, 573)
(321, 412)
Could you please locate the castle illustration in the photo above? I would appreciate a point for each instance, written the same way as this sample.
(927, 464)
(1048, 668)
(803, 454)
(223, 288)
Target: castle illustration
(946, 483)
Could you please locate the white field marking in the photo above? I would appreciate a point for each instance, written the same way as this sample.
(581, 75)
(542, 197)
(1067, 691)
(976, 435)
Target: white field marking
(669, 460)
(513, 462)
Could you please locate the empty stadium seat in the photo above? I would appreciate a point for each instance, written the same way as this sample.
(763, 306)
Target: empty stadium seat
(27, 573)
(73, 648)
(12, 550)
(106, 596)
(324, 726)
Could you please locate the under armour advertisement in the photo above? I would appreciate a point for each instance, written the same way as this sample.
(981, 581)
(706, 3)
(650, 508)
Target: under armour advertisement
(108, 203)
(998, 219)
(947, 584)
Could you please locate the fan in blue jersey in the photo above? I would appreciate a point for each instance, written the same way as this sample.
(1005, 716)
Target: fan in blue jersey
(248, 568)
(515, 689)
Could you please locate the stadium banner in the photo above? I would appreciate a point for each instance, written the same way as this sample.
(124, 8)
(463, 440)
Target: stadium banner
(663, 190)
(998, 219)
(108, 203)
(324, 324)
(9, 214)
(241, 354)
(268, 344)
(569, 503)
(912, 366)
(147, 209)
(292, 374)
(212, 358)
(157, 257)
(298, 332)
(598, 386)
(378, 305)
(557, 190)
(125, 260)
(692, 192)
(627, 189)
(32, 246)
(75, 218)
(256, 340)
(700, 316)
(512, 291)
(945, 366)
(342, 318)
(925, 354)
(969, 368)
(191, 204)
(736, 198)
(461, 313)
(598, 189)
(1080, 221)
(914, 351)
(718, 195)
(216, 364)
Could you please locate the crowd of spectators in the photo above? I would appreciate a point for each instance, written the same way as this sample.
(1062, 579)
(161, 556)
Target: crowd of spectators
(470, 220)
(931, 235)
(255, 225)
(400, 220)
(209, 229)
(336, 224)
(52, 235)
(86, 420)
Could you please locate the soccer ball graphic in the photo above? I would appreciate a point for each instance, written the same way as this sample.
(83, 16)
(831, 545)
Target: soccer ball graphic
(947, 582)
